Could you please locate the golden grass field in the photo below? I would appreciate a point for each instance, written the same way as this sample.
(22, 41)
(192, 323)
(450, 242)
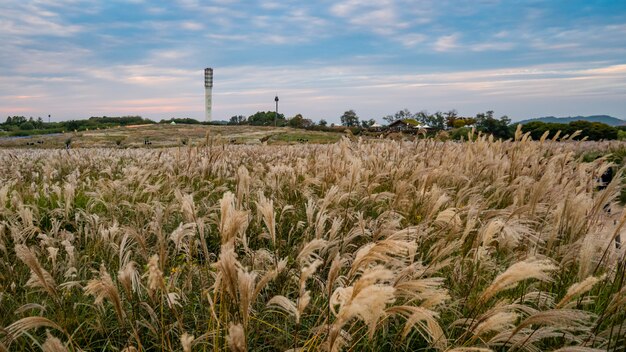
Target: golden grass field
(359, 245)
(169, 136)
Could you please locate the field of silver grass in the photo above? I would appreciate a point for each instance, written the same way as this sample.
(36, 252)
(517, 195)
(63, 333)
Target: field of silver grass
(361, 245)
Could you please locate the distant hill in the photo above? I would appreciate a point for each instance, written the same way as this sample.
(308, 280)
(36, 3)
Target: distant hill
(609, 120)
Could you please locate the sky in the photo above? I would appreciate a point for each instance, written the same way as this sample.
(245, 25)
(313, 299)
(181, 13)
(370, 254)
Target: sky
(73, 59)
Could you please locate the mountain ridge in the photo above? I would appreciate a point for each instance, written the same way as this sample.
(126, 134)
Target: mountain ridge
(609, 120)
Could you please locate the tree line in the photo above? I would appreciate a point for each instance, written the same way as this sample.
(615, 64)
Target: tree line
(456, 126)
(592, 130)
(22, 126)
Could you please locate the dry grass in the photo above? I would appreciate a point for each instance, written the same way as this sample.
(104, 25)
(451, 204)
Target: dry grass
(358, 245)
(165, 135)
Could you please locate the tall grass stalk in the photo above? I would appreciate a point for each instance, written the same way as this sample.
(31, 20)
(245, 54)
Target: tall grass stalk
(359, 245)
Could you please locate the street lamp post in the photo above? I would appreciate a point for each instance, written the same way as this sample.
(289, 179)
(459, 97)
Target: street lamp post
(276, 116)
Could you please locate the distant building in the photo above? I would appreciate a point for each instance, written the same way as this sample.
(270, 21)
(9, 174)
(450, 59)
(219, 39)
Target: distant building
(407, 125)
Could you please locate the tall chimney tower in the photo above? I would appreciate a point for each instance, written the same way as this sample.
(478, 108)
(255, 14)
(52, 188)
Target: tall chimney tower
(208, 92)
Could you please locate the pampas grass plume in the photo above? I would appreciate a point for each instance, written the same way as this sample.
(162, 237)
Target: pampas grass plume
(155, 275)
(186, 341)
(236, 338)
(531, 268)
(53, 344)
(578, 289)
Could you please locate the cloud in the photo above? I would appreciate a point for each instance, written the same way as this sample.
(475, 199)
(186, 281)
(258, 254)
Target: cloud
(192, 26)
(501, 34)
(230, 37)
(380, 17)
(289, 25)
(170, 54)
(452, 43)
(323, 91)
(579, 40)
(492, 46)
(446, 43)
(271, 5)
(412, 39)
(23, 23)
(76, 58)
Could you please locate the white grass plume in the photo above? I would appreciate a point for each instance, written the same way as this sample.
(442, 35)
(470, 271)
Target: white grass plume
(531, 268)
(232, 221)
(227, 267)
(103, 288)
(39, 276)
(245, 288)
(187, 205)
(18, 328)
(367, 299)
(236, 338)
(566, 319)
(179, 235)
(130, 279)
(186, 341)
(424, 320)
(389, 251)
(497, 322)
(53, 344)
(243, 184)
(286, 305)
(578, 289)
(266, 208)
(154, 275)
(307, 253)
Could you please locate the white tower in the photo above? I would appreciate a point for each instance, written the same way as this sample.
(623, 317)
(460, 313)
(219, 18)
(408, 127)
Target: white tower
(208, 92)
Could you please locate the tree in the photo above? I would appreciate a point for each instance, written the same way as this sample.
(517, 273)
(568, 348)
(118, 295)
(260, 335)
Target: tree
(462, 122)
(181, 121)
(400, 115)
(368, 123)
(595, 131)
(490, 125)
(15, 120)
(437, 121)
(451, 117)
(73, 125)
(389, 119)
(422, 117)
(460, 133)
(266, 118)
(350, 119)
(538, 128)
(323, 123)
(592, 130)
(238, 120)
(27, 126)
(300, 122)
